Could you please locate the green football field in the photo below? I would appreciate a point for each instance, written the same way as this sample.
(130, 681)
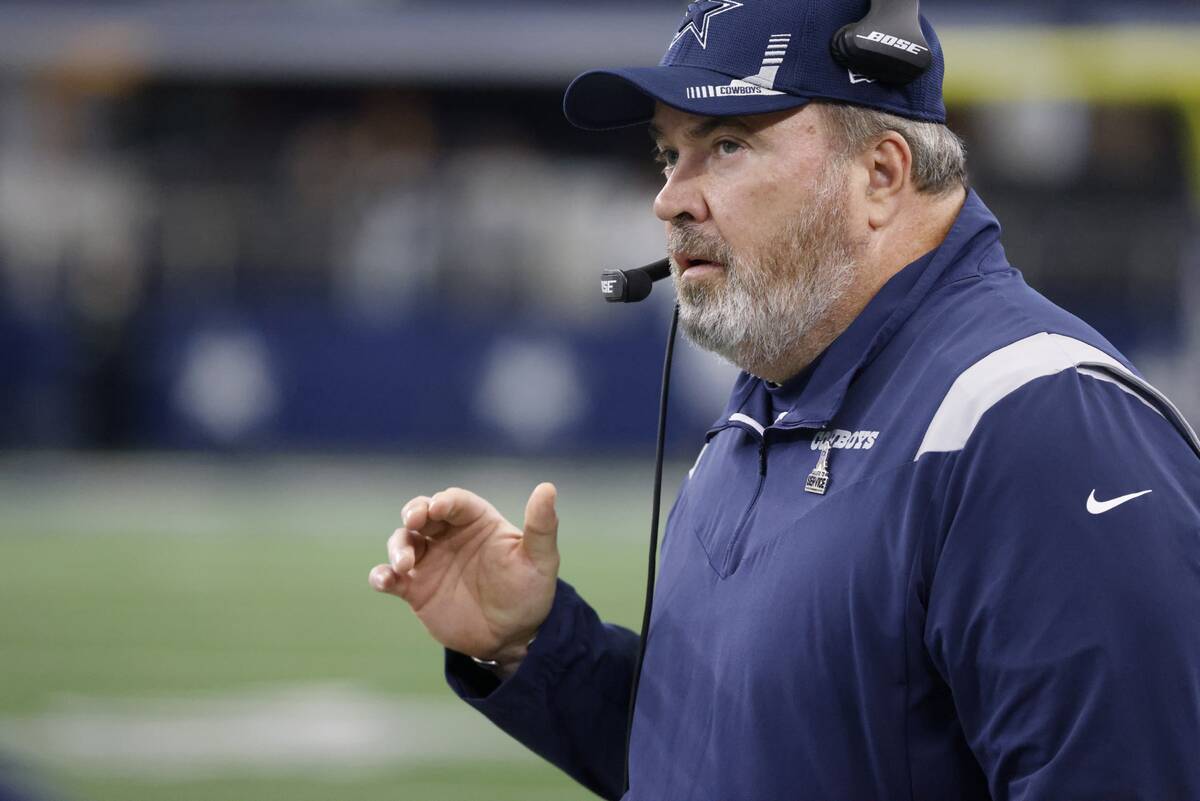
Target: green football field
(202, 628)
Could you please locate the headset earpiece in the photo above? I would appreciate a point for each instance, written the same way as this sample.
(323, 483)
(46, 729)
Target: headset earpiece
(887, 44)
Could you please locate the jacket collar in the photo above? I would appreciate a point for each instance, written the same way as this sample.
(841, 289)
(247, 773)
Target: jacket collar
(814, 396)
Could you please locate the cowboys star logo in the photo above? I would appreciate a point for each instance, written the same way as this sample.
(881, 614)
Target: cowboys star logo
(699, 15)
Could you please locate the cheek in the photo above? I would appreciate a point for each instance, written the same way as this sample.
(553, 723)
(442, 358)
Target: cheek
(858, 211)
(746, 216)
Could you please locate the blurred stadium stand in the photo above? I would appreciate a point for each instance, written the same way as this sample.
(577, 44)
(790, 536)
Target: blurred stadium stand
(429, 41)
(364, 225)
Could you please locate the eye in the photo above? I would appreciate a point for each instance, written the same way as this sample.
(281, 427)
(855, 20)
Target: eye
(728, 147)
(666, 157)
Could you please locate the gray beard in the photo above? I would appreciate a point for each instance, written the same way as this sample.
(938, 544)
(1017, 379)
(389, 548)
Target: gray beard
(767, 309)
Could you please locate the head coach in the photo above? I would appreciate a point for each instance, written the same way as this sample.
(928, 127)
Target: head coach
(944, 541)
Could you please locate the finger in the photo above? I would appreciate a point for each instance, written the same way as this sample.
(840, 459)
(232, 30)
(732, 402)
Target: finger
(415, 513)
(541, 523)
(405, 549)
(398, 551)
(456, 507)
(384, 579)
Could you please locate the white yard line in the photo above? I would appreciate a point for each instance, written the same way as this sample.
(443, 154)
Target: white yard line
(319, 728)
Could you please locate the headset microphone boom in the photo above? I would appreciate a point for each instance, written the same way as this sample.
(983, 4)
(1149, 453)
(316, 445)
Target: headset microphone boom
(632, 286)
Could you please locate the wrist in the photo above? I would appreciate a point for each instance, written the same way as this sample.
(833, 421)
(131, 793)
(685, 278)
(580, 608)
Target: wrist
(504, 662)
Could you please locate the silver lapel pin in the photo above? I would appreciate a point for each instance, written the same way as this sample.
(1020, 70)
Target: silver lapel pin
(818, 479)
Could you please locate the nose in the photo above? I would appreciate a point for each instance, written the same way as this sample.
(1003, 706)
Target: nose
(681, 196)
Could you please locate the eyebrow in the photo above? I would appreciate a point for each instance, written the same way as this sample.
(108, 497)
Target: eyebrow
(704, 128)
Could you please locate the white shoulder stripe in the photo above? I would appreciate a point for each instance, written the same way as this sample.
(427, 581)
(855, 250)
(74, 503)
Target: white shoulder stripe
(985, 383)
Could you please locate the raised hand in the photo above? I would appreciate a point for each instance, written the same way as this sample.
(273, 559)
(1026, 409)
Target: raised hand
(480, 585)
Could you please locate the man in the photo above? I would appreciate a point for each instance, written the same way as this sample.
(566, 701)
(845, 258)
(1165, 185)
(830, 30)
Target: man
(944, 542)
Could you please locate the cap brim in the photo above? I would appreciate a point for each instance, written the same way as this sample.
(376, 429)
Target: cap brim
(604, 99)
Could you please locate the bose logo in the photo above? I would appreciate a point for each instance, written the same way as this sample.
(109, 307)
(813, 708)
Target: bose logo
(892, 41)
(607, 286)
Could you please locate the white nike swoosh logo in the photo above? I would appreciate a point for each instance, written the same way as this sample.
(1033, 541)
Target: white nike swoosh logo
(1100, 507)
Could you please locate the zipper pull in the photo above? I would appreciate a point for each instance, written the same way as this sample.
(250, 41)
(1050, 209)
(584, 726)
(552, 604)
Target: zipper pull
(818, 479)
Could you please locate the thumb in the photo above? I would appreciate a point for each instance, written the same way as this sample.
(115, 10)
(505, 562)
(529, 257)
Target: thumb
(541, 523)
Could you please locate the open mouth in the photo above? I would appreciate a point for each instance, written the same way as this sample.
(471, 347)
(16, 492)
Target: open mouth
(689, 262)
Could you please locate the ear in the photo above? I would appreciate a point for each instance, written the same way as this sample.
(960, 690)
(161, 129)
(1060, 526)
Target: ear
(889, 163)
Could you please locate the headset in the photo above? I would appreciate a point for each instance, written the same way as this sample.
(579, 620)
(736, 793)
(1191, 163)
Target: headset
(887, 45)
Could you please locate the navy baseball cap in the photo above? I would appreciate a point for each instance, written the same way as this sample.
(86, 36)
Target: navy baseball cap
(731, 57)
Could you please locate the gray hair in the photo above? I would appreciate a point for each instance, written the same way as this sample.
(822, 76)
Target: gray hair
(939, 157)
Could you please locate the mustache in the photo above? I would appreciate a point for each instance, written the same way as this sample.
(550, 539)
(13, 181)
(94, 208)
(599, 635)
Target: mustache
(690, 239)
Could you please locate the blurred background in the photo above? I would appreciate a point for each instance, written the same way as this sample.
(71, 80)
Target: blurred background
(269, 268)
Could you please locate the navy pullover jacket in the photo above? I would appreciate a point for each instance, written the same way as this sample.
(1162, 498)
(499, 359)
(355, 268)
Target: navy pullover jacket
(997, 597)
